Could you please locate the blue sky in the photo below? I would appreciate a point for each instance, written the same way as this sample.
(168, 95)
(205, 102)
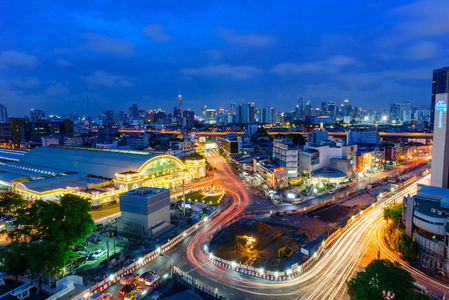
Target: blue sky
(371, 52)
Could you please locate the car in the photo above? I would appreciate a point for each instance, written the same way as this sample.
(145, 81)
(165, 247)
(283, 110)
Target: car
(134, 295)
(101, 296)
(79, 248)
(127, 279)
(146, 275)
(258, 194)
(152, 280)
(127, 288)
(97, 254)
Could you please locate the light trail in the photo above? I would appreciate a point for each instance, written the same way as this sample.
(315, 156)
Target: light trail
(326, 279)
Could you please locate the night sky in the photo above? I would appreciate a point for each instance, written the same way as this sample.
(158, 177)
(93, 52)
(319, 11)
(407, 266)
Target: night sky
(370, 52)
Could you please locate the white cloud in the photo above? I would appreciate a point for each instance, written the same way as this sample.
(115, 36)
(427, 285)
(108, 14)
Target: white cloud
(245, 40)
(57, 89)
(16, 58)
(107, 79)
(423, 50)
(27, 82)
(63, 63)
(241, 72)
(101, 43)
(330, 65)
(156, 32)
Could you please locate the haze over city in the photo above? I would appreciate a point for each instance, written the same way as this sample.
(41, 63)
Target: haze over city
(146, 53)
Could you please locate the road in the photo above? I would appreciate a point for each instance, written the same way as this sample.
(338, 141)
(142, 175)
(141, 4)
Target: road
(325, 280)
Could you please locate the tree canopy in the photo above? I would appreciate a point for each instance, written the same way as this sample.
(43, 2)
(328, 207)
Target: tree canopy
(10, 202)
(393, 213)
(408, 246)
(379, 277)
(50, 231)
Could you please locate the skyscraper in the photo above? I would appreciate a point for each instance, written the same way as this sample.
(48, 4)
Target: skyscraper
(133, 112)
(232, 107)
(3, 114)
(251, 113)
(37, 114)
(108, 118)
(440, 85)
(180, 104)
(203, 112)
(300, 107)
(323, 109)
(331, 108)
(440, 149)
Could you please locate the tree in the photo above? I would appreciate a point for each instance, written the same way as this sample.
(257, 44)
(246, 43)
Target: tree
(393, 213)
(408, 247)
(47, 258)
(379, 277)
(10, 202)
(14, 259)
(67, 222)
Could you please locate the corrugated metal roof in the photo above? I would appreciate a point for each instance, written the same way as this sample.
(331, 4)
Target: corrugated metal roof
(99, 162)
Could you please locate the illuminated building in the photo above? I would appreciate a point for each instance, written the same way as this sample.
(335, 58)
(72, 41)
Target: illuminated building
(440, 152)
(285, 154)
(440, 85)
(102, 175)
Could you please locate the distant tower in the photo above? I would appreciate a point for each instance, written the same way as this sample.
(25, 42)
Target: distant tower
(180, 103)
(3, 114)
(232, 107)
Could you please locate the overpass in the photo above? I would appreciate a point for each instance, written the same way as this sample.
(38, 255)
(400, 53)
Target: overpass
(416, 135)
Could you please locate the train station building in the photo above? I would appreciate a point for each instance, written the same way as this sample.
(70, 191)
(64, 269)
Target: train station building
(48, 173)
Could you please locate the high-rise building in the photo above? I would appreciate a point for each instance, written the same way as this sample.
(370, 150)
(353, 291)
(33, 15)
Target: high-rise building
(203, 112)
(232, 107)
(251, 113)
(211, 116)
(133, 111)
(37, 114)
(440, 149)
(347, 108)
(440, 85)
(323, 109)
(180, 103)
(331, 108)
(108, 118)
(308, 110)
(300, 108)
(149, 116)
(188, 118)
(3, 114)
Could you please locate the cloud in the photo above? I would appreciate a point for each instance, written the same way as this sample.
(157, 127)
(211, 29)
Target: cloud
(107, 79)
(241, 72)
(63, 63)
(28, 82)
(156, 32)
(16, 58)
(215, 54)
(246, 40)
(424, 18)
(56, 90)
(101, 43)
(330, 65)
(423, 50)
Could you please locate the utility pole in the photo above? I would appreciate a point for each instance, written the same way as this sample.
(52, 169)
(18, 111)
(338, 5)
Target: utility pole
(183, 199)
(107, 249)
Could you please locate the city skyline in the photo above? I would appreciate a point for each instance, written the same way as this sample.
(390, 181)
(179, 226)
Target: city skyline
(211, 53)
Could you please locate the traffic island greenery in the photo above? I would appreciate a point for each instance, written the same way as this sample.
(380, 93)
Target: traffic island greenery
(382, 279)
(49, 232)
(200, 198)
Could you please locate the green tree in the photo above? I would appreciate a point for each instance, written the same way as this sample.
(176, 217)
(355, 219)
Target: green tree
(10, 202)
(393, 213)
(408, 247)
(382, 276)
(47, 258)
(14, 259)
(67, 222)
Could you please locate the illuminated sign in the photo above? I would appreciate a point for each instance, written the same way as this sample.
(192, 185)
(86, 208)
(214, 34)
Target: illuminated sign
(278, 170)
(291, 196)
(441, 106)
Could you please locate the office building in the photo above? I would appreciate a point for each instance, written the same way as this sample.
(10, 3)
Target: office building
(232, 107)
(362, 135)
(323, 111)
(285, 154)
(331, 108)
(133, 112)
(440, 85)
(37, 114)
(317, 136)
(440, 150)
(251, 113)
(180, 103)
(232, 145)
(203, 112)
(188, 118)
(425, 216)
(143, 209)
(211, 116)
(3, 114)
(108, 118)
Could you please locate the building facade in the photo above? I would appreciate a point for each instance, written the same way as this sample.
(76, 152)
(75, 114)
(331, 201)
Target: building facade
(440, 85)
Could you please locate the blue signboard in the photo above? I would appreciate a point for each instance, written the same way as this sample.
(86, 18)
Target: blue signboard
(441, 106)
